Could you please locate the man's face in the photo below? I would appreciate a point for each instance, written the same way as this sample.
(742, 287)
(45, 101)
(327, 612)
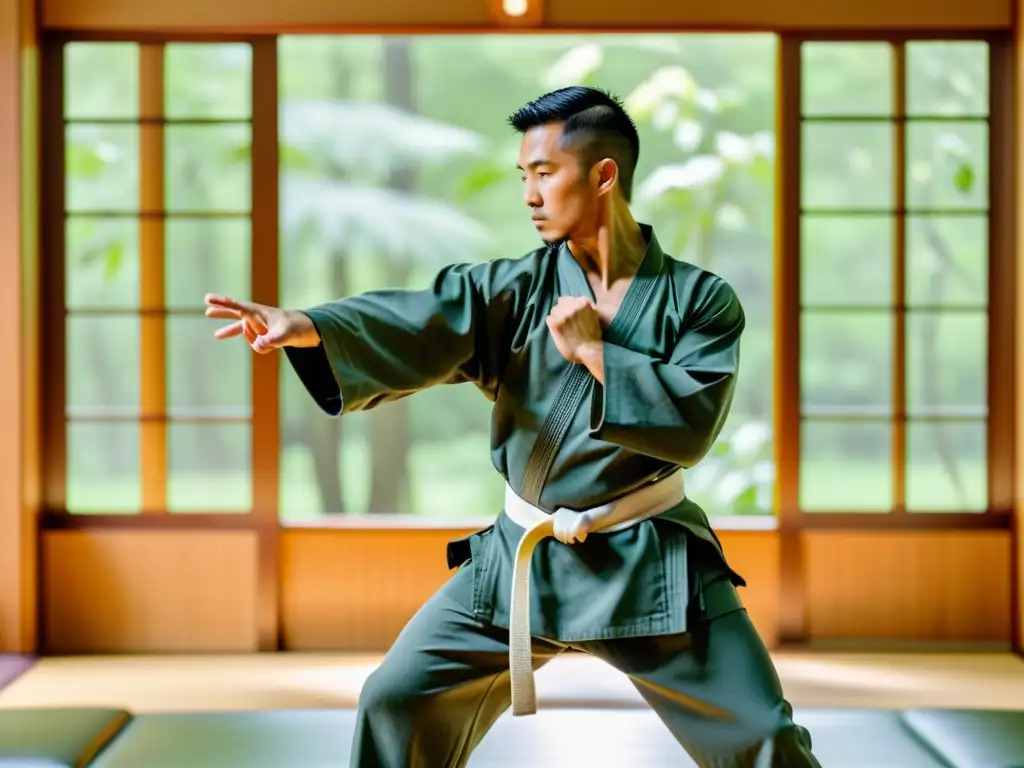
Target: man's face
(561, 196)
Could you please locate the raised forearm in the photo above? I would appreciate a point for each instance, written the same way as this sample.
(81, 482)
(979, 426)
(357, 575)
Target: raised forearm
(591, 356)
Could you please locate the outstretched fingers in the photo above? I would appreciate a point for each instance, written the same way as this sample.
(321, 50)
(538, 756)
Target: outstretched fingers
(223, 314)
(230, 331)
(251, 335)
(226, 302)
(226, 308)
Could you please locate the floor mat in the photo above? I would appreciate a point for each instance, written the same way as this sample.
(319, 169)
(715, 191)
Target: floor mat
(552, 739)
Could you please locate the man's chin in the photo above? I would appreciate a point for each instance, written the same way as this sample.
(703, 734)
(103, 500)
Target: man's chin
(551, 238)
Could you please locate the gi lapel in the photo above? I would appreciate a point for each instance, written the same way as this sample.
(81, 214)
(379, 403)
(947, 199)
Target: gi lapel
(576, 381)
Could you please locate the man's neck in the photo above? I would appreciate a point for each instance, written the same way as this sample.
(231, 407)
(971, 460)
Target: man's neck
(624, 252)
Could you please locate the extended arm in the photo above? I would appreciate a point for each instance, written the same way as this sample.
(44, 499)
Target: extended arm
(384, 345)
(672, 410)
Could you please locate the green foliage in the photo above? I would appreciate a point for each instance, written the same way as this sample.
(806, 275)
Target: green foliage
(964, 177)
(367, 185)
(339, 157)
(108, 254)
(738, 474)
(86, 160)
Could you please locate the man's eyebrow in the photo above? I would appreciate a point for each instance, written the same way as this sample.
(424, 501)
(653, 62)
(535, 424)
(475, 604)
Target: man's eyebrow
(535, 163)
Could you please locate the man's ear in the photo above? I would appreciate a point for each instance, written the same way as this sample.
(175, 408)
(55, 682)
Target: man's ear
(607, 175)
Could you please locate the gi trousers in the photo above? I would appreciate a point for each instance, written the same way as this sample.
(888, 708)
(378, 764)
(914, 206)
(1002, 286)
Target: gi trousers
(445, 682)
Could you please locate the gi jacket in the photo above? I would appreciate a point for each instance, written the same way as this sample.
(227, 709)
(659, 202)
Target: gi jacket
(559, 437)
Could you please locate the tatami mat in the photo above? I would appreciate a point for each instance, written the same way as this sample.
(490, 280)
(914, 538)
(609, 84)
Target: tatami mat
(303, 681)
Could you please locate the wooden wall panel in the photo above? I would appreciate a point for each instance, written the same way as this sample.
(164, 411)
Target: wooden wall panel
(19, 301)
(149, 591)
(261, 16)
(934, 586)
(354, 589)
(1018, 593)
(755, 555)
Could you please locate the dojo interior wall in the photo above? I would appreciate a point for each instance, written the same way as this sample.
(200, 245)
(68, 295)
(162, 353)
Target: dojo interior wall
(353, 590)
(197, 588)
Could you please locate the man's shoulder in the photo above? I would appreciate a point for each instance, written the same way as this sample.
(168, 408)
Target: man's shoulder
(698, 284)
(528, 260)
(513, 262)
(501, 274)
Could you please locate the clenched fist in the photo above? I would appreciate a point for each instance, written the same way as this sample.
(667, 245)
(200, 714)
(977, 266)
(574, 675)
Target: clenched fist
(575, 328)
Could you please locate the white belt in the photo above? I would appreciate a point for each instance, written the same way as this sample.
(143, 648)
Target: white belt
(568, 526)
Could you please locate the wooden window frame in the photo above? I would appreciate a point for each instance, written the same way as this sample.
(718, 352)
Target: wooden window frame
(152, 310)
(264, 519)
(1001, 310)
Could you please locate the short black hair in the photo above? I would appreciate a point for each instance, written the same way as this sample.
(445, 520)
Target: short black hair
(594, 119)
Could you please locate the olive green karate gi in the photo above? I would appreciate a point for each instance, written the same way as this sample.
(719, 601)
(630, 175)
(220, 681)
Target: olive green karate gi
(658, 600)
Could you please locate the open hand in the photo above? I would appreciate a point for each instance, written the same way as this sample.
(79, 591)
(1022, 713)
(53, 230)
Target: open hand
(265, 328)
(575, 326)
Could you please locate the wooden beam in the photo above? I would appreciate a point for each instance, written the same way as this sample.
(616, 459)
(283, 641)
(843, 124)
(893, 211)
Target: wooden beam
(51, 289)
(400, 17)
(153, 354)
(266, 448)
(1016, 160)
(787, 338)
(1002, 277)
(19, 303)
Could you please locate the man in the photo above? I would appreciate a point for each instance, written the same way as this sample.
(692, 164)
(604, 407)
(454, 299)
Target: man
(611, 367)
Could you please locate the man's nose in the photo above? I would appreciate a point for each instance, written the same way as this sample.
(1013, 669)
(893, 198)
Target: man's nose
(530, 195)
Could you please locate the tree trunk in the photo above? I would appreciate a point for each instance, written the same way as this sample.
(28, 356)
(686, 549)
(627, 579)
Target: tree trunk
(323, 436)
(390, 432)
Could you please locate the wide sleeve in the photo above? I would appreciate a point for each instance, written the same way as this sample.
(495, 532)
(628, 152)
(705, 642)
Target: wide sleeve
(385, 345)
(674, 410)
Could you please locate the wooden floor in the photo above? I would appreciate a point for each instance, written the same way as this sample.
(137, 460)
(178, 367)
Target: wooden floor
(293, 680)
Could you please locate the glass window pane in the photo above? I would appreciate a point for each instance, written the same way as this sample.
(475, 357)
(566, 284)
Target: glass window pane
(846, 362)
(456, 458)
(324, 462)
(209, 467)
(847, 166)
(208, 81)
(846, 466)
(947, 373)
(207, 168)
(103, 366)
(397, 159)
(102, 168)
(101, 80)
(206, 256)
(103, 467)
(206, 377)
(947, 261)
(947, 166)
(738, 476)
(102, 263)
(947, 466)
(947, 78)
(846, 260)
(846, 79)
